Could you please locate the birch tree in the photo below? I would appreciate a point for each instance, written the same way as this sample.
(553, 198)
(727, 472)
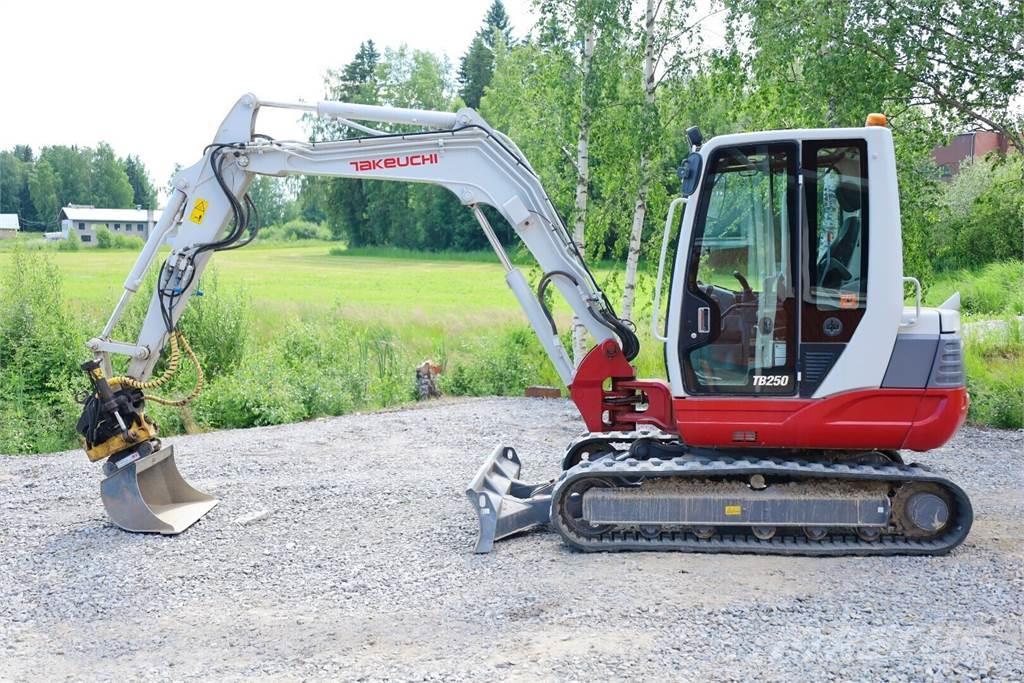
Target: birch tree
(661, 36)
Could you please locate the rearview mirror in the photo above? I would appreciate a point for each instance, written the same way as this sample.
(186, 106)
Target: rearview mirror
(689, 173)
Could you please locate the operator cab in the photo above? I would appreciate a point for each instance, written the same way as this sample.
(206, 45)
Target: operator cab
(772, 271)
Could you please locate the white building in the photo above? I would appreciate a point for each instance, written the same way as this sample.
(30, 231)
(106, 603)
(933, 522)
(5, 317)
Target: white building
(9, 225)
(83, 221)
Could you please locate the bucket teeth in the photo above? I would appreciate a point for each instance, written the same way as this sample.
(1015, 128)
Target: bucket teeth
(149, 495)
(503, 504)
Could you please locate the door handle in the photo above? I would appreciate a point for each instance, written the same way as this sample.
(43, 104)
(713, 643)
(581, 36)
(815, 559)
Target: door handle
(704, 320)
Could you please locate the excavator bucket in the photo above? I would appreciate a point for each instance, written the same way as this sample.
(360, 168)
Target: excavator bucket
(505, 505)
(149, 495)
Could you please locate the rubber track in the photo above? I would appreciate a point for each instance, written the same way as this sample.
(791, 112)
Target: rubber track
(835, 544)
(607, 439)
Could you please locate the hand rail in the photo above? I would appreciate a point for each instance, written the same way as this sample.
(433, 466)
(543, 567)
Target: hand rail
(917, 298)
(656, 313)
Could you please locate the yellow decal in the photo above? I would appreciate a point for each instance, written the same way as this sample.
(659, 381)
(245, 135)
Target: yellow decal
(733, 510)
(198, 211)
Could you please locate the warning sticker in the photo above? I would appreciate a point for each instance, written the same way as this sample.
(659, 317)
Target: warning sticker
(733, 510)
(198, 211)
(848, 300)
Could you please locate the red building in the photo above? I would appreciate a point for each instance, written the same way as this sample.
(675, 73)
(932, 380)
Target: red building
(968, 147)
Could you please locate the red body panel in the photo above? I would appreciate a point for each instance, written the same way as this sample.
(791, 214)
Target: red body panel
(884, 419)
(610, 398)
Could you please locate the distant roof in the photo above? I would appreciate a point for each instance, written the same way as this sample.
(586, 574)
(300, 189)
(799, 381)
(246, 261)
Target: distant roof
(89, 213)
(9, 221)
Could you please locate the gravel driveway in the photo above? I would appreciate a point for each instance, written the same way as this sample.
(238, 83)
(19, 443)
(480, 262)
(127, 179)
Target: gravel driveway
(342, 548)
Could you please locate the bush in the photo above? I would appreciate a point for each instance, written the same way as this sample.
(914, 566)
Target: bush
(996, 290)
(293, 231)
(982, 214)
(72, 243)
(310, 371)
(497, 366)
(105, 239)
(994, 362)
(41, 347)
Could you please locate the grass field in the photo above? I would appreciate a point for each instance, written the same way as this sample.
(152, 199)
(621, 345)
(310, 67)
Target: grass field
(323, 331)
(297, 282)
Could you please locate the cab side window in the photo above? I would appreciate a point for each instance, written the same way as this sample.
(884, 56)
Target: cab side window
(836, 263)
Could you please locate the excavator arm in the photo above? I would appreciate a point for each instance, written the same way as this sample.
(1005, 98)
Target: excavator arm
(458, 151)
(209, 211)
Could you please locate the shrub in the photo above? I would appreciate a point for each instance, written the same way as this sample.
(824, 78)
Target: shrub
(294, 231)
(105, 239)
(996, 290)
(41, 346)
(497, 366)
(983, 214)
(72, 243)
(994, 362)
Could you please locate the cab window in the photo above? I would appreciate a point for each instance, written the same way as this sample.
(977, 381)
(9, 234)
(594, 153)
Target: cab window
(836, 182)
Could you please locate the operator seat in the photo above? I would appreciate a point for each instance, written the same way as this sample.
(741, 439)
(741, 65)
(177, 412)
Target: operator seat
(846, 242)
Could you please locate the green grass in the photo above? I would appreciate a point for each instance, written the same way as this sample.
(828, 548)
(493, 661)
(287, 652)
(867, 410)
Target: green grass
(995, 290)
(325, 333)
(994, 363)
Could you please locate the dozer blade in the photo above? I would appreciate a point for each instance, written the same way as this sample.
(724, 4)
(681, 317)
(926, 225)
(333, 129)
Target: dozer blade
(149, 495)
(504, 504)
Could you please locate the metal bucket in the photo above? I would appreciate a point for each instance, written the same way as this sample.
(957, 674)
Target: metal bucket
(149, 495)
(503, 504)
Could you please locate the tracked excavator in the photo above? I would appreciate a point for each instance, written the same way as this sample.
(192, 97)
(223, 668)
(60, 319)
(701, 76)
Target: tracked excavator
(796, 374)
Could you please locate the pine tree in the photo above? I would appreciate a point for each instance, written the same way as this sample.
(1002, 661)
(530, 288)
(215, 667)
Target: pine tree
(496, 20)
(477, 66)
(143, 193)
(345, 205)
(475, 72)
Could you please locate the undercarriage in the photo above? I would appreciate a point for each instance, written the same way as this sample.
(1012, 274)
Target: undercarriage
(649, 491)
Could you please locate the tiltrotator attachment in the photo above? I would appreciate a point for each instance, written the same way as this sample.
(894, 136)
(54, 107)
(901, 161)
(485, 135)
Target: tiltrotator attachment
(149, 495)
(505, 505)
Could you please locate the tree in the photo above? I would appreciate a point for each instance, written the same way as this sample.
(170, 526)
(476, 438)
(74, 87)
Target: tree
(12, 179)
(110, 186)
(42, 185)
(74, 173)
(962, 60)
(584, 25)
(269, 199)
(342, 201)
(663, 27)
(476, 68)
(143, 192)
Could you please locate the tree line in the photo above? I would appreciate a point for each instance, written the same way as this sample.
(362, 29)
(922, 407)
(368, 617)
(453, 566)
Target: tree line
(36, 186)
(599, 93)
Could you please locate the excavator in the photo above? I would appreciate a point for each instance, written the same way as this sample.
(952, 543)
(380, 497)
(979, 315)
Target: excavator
(796, 374)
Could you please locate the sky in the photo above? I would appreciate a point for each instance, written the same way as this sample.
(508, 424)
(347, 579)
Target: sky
(155, 79)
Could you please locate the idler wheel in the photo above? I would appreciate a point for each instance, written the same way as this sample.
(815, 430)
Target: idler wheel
(572, 508)
(922, 509)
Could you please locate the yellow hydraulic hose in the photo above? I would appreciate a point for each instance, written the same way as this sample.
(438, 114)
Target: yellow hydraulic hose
(172, 367)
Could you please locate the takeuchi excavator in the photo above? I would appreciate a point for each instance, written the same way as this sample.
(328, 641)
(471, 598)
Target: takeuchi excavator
(795, 373)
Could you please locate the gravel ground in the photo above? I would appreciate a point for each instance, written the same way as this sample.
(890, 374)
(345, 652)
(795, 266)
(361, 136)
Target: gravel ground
(343, 549)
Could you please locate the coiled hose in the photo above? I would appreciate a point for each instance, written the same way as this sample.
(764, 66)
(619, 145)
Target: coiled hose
(172, 367)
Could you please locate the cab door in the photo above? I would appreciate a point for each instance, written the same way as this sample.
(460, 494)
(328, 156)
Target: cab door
(738, 315)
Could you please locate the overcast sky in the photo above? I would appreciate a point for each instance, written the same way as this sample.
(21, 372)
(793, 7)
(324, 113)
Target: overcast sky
(155, 79)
